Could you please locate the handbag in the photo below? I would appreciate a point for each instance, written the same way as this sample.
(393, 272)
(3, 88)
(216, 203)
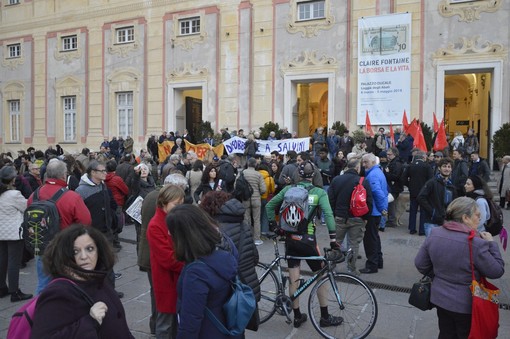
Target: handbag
(420, 294)
(485, 306)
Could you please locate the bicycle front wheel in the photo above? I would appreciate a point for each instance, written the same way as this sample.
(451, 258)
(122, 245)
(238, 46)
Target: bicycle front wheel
(268, 292)
(358, 306)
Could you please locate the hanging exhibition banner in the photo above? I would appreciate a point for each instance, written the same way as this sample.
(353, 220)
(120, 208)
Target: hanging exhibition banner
(384, 68)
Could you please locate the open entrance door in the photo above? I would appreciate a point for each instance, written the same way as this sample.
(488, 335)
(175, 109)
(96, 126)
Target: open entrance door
(311, 107)
(467, 104)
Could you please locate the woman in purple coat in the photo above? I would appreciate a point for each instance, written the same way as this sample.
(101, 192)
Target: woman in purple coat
(445, 256)
(82, 255)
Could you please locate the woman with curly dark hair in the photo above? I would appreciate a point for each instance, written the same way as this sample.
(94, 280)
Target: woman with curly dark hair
(84, 303)
(209, 182)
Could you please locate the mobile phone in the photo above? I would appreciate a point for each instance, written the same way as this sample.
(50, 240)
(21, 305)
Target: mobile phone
(220, 182)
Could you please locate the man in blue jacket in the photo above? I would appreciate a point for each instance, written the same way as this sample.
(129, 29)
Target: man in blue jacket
(371, 239)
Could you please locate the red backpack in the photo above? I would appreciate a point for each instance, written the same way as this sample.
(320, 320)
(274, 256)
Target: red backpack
(20, 326)
(358, 206)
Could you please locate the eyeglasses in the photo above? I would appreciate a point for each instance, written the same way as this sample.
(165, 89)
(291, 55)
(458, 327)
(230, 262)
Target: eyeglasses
(98, 170)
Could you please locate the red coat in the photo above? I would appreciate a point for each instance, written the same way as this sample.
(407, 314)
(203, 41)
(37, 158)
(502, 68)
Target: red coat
(71, 208)
(165, 268)
(118, 187)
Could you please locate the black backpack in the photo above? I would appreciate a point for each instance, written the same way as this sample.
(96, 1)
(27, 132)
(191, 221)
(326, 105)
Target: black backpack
(41, 222)
(227, 174)
(243, 190)
(495, 222)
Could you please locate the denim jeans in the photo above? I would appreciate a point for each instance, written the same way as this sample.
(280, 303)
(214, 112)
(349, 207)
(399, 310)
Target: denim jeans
(42, 278)
(428, 228)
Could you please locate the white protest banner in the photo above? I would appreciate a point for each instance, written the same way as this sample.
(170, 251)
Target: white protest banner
(236, 145)
(384, 68)
(135, 209)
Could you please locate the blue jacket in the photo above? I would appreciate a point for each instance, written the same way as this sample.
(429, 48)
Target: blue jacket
(379, 187)
(202, 283)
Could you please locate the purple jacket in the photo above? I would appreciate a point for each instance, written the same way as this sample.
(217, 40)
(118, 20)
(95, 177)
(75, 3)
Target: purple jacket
(446, 251)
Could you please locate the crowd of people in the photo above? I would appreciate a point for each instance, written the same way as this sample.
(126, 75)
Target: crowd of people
(191, 215)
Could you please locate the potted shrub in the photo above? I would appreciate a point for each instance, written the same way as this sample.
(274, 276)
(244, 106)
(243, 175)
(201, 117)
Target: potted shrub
(501, 143)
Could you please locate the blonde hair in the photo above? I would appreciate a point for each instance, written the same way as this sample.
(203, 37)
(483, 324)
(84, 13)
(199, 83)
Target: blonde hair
(459, 207)
(170, 193)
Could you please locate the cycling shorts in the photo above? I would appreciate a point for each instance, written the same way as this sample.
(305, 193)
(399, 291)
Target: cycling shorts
(302, 245)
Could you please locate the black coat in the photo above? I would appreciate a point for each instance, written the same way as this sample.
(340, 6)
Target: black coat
(393, 176)
(431, 199)
(460, 174)
(340, 191)
(418, 173)
(231, 219)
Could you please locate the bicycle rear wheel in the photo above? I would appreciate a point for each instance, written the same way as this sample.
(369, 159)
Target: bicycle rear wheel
(269, 290)
(359, 307)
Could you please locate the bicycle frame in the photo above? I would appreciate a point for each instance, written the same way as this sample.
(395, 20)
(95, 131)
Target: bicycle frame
(327, 267)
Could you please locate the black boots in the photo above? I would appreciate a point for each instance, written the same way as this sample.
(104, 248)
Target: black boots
(20, 296)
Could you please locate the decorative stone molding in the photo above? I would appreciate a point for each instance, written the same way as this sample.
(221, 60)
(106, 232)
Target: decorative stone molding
(13, 63)
(67, 56)
(468, 11)
(308, 60)
(466, 47)
(14, 90)
(187, 72)
(123, 49)
(124, 80)
(309, 28)
(68, 86)
(187, 42)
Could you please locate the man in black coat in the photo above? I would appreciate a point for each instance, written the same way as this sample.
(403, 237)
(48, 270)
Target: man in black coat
(418, 173)
(479, 167)
(436, 195)
(460, 171)
(393, 173)
(339, 194)
(346, 143)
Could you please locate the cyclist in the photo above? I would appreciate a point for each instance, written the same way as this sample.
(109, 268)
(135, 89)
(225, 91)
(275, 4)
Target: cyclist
(306, 244)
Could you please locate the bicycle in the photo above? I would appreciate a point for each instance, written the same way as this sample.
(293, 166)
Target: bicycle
(348, 296)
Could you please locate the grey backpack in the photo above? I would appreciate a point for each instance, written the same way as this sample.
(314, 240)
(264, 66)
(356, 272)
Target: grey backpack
(295, 211)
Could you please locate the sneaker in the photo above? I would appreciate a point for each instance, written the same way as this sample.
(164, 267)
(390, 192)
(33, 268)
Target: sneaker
(258, 242)
(118, 276)
(331, 321)
(300, 320)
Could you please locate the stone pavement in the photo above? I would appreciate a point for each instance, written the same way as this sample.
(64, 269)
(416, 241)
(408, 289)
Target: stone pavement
(397, 319)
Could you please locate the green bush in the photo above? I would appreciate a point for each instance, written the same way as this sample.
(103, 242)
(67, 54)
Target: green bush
(427, 134)
(269, 127)
(201, 131)
(339, 127)
(501, 141)
(358, 136)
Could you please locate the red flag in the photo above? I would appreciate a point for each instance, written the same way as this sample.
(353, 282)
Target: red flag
(441, 143)
(412, 129)
(392, 135)
(419, 140)
(368, 125)
(405, 123)
(436, 125)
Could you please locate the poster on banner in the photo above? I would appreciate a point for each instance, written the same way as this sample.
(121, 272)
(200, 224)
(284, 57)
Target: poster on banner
(135, 209)
(384, 67)
(204, 151)
(236, 145)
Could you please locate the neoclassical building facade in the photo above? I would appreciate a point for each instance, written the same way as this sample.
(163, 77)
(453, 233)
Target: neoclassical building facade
(73, 72)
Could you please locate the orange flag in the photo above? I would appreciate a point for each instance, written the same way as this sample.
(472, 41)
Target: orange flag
(392, 135)
(405, 123)
(368, 125)
(436, 125)
(441, 142)
(419, 140)
(412, 129)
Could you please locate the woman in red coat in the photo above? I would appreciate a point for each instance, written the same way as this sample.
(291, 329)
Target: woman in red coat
(165, 268)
